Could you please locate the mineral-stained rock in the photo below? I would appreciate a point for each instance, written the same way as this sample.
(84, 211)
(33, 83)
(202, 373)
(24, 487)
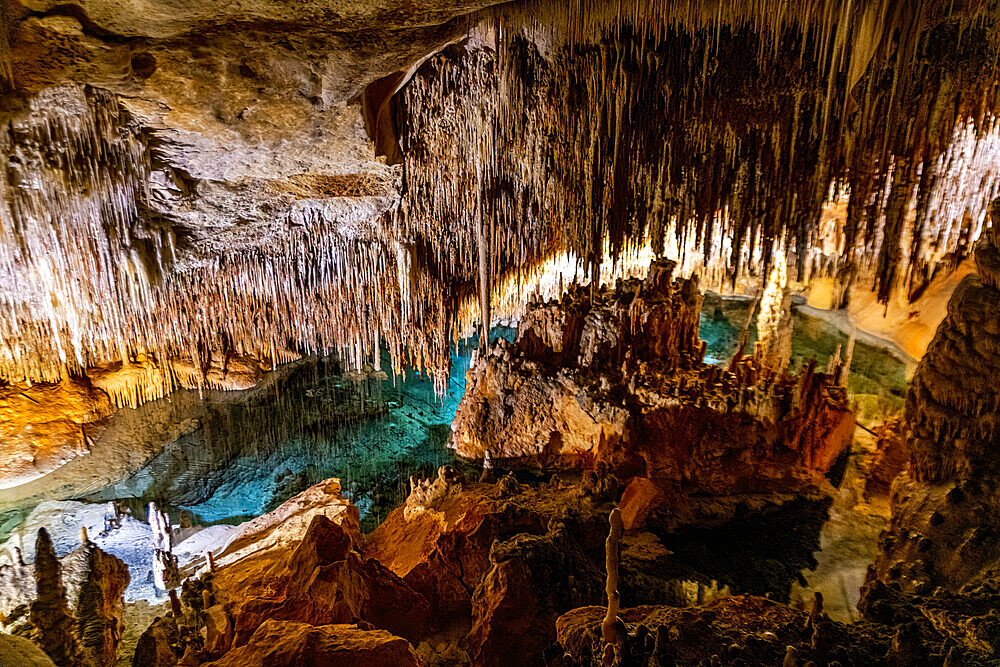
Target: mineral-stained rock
(953, 406)
(532, 579)
(303, 645)
(218, 630)
(159, 645)
(940, 535)
(96, 581)
(20, 652)
(616, 376)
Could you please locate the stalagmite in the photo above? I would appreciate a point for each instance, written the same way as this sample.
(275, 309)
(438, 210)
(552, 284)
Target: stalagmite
(612, 628)
(50, 616)
(162, 533)
(166, 572)
(774, 323)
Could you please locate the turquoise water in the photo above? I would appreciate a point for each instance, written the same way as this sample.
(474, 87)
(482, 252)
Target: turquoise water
(878, 380)
(247, 457)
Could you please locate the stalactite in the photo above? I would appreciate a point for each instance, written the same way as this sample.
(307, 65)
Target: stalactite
(587, 131)
(590, 124)
(774, 323)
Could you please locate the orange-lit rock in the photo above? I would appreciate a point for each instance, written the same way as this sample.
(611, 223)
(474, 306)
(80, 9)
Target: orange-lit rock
(290, 643)
(42, 426)
(285, 569)
(285, 527)
(440, 549)
(640, 497)
(532, 579)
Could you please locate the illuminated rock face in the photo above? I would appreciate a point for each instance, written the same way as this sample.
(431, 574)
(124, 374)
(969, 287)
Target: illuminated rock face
(946, 511)
(43, 426)
(617, 378)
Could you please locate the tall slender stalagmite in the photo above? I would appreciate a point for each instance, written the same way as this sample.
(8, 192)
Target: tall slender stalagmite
(50, 615)
(612, 627)
(774, 323)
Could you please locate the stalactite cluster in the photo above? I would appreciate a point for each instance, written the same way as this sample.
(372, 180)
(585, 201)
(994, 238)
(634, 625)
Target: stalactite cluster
(87, 282)
(77, 262)
(713, 133)
(584, 127)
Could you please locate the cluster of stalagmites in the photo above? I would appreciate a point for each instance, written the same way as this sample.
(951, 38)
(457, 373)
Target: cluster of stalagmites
(506, 572)
(615, 377)
(941, 553)
(77, 616)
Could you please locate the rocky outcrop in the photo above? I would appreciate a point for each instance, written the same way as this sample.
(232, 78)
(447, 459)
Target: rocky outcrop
(616, 377)
(96, 581)
(323, 581)
(290, 643)
(302, 580)
(945, 526)
(441, 549)
(953, 406)
(160, 645)
(532, 580)
(283, 528)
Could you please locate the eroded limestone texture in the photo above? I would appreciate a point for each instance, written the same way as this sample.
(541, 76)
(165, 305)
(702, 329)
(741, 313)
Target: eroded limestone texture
(615, 378)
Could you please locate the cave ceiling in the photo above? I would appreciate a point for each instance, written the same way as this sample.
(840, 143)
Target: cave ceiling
(188, 179)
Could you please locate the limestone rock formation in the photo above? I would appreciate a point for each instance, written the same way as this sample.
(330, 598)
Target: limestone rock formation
(51, 620)
(946, 512)
(322, 581)
(616, 377)
(532, 580)
(96, 581)
(891, 457)
(42, 426)
(290, 643)
(159, 645)
(284, 527)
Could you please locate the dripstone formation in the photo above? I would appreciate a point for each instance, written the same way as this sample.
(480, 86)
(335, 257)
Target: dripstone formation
(225, 227)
